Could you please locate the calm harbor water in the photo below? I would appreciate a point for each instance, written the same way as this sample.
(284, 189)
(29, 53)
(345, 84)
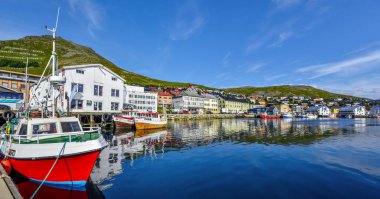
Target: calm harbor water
(242, 158)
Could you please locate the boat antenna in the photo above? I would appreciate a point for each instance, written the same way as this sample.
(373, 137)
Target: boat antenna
(53, 53)
(55, 80)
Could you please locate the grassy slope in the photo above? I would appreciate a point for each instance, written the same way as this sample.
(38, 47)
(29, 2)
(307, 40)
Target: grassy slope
(286, 90)
(70, 53)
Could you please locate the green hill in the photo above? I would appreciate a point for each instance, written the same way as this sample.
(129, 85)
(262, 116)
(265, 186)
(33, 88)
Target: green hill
(38, 49)
(286, 90)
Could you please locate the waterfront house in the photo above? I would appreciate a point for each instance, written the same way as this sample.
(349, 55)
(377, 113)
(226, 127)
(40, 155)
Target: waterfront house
(261, 102)
(138, 99)
(89, 88)
(164, 99)
(273, 110)
(12, 99)
(352, 111)
(283, 108)
(375, 111)
(211, 104)
(16, 81)
(298, 109)
(335, 110)
(189, 100)
(232, 105)
(322, 111)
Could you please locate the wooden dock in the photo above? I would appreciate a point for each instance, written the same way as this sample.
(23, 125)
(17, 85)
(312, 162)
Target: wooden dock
(7, 187)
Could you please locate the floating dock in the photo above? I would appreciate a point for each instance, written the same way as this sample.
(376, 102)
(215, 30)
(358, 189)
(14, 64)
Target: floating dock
(7, 187)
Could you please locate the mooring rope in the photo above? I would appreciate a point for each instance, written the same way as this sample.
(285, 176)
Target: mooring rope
(51, 169)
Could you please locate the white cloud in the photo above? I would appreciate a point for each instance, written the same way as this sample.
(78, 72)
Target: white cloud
(285, 4)
(271, 78)
(255, 67)
(92, 13)
(225, 60)
(188, 22)
(348, 67)
(282, 37)
(362, 87)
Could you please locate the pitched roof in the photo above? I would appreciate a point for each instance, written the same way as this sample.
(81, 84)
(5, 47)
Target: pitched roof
(190, 93)
(233, 99)
(349, 108)
(92, 65)
(164, 94)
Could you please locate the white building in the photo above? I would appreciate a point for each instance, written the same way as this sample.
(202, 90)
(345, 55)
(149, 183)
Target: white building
(88, 88)
(352, 111)
(322, 111)
(210, 103)
(189, 100)
(375, 111)
(138, 99)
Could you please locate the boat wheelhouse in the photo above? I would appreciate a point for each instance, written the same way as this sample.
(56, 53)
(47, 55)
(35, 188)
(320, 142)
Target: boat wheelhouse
(40, 142)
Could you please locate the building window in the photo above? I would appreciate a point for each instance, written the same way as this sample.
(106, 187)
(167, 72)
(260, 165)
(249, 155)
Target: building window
(5, 84)
(115, 92)
(76, 104)
(77, 87)
(98, 106)
(80, 71)
(114, 79)
(114, 106)
(23, 86)
(14, 85)
(98, 90)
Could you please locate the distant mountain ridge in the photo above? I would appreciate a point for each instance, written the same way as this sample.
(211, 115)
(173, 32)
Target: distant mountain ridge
(286, 90)
(38, 49)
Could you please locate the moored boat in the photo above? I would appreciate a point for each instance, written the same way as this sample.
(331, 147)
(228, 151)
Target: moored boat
(266, 116)
(287, 116)
(55, 150)
(311, 116)
(126, 119)
(52, 150)
(150, 120)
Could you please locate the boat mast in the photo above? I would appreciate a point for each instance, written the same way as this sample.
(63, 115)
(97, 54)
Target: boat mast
(55, 80)
(26, 83)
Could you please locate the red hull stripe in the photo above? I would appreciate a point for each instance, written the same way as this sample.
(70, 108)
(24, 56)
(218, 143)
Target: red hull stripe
(74, 168)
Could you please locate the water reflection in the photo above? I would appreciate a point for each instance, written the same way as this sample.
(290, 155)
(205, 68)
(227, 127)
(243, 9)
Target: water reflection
(125, 146)
(128, 146)
(27, 189)
(128, 150)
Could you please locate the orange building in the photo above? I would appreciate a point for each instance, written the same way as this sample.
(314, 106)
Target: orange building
(164, 99)
(16, 81)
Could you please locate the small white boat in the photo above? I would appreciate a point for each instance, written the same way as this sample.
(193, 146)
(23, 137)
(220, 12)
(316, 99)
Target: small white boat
(126, 119)
(311, 116)
(287, 116)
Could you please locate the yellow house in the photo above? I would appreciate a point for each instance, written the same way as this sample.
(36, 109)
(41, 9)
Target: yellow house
(335, 110)
(232, 105)
(283, 108)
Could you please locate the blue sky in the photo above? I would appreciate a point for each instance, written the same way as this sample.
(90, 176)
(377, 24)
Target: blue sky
(333, 45)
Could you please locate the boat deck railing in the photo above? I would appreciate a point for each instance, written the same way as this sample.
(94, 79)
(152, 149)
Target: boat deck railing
(88, 133)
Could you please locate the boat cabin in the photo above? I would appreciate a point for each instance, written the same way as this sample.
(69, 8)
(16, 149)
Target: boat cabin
(37, 129)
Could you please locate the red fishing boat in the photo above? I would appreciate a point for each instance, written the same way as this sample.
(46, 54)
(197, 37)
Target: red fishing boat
(266, 116)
